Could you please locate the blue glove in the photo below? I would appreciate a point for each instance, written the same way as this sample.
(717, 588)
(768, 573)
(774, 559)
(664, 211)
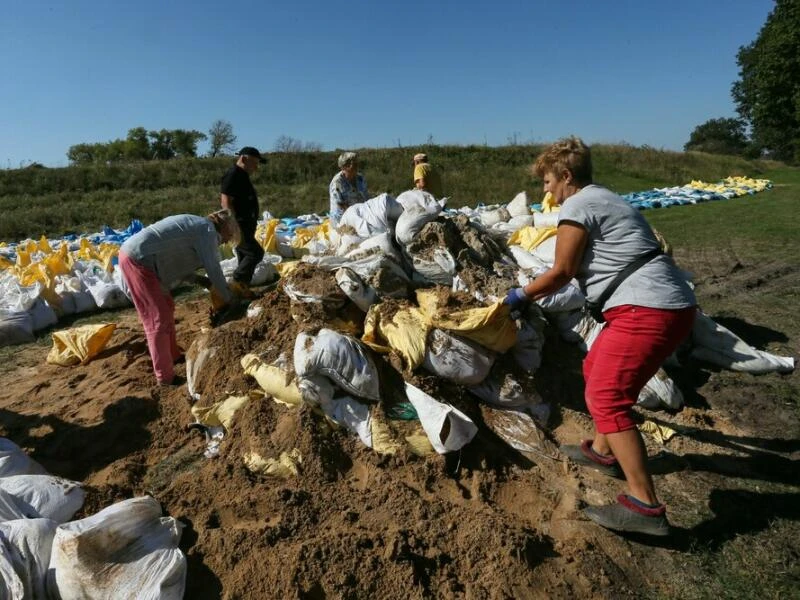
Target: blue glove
(516, 298)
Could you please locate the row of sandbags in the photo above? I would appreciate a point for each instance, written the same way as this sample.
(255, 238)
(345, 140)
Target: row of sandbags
(127, 550)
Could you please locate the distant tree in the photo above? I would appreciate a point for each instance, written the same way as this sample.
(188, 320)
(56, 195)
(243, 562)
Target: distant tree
(719, 136)
(184, 142)
(286, 143)
(161, 144)
(767, 93)
(137, 144)
(81, 154)
(221, 137)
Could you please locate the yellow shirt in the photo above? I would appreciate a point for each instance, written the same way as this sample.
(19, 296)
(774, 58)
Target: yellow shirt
(433, 181)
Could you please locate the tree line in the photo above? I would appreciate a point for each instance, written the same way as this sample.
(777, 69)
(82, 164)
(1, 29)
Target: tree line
(766, 95)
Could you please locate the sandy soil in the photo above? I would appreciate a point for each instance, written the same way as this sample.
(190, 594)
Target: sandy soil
(487, 522)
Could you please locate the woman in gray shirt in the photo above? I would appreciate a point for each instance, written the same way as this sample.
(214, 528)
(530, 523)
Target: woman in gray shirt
(647, 316)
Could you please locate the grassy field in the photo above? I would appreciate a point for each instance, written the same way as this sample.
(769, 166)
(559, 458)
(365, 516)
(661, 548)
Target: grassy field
(36, 201)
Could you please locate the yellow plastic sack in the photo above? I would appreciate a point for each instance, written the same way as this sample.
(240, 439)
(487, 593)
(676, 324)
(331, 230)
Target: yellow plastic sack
(530, 237)
(549, 203)
(285, 466)
(220, 413)
(490, 326)
(405, 332)
(661, 433)
(285, 268)
(265, 235)
(79, 344)
(273, 380)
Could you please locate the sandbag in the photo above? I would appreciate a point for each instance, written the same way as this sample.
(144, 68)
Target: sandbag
(413, 219)
(339, 357)
(316, 390)
(13, 461)
(456, 359)
(519, 206)
(196, 357)
(504, 390)
(275, 381)
(11, 586)
(383, 275)
(265, 271)
(526, 260)
(126, 551)
(527, 352)
(578, 327)
(15, 328)
(42, 315)
(376, 215)
(45, 496)
(381, 244)
(11, 509)
(420, 199)
(447, 428)
(27, 543)
(659, 391)
(79, 345)
(105, 288)
(439, 268)
(488, 218)
(543, 220)
(354, 288)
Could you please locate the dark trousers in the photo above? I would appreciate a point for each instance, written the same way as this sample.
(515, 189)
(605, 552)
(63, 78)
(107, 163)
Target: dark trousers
(249, 253)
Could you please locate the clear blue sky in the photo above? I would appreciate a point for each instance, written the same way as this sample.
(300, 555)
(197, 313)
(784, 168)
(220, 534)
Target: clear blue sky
(367, 73)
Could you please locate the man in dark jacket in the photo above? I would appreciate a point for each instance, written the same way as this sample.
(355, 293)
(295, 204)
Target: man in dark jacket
(238, 194)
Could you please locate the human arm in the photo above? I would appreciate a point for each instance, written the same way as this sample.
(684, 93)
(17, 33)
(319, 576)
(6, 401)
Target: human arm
(207, 251)
(337, 205)
(226, 201)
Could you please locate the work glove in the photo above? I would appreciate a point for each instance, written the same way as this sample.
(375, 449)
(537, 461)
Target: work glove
(227, 312)
(516, 298)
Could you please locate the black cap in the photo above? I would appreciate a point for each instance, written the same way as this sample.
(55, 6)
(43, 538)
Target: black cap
(250, 151)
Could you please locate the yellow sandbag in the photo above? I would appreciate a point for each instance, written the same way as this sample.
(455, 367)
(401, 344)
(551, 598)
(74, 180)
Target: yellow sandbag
(549, 203)
(265, 235)
(273, 380)
(406, 333)
(285, 466)
(44, 246)
(303, 235)
(661, 433)
(419, 444)
(220, 413)
(530, 237)
(79, 344)
(490, 326)
(5, 263)
(383, 441)
(285, 268)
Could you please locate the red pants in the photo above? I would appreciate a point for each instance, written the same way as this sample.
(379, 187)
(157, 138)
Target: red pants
(627, 353)
(156, 311)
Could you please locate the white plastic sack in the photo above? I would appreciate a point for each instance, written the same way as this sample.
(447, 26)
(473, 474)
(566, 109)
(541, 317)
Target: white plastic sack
(438, 269)
(15, 297)
(420, 198)
(376, 215)
(352, 415)
(526, 260)
(660, 390)
(10, 509)
(380, 244)
(527, 352)
(520, 221)
(27, 543)
(456, 359)
(340, 358)
(199, 352)
(15, 328)
(354, 288)
(506, 392)
(718, 345)
(519, 205)
(105, 288)
(42, 315)
(13, 461)
(447, 428)
(316, 390)
(566, 299)
(383, 275)
(126, 551)
(545, 220)
(45, 495)
(413, 219)
(265, 271)
(11, 586)
(578, 327)
(546, 251)
(491, 217)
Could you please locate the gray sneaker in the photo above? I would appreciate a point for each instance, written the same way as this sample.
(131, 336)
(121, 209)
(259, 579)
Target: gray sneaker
(625, 516)
(582, 455)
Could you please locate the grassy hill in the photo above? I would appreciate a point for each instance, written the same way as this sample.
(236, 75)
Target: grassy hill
(36, 201)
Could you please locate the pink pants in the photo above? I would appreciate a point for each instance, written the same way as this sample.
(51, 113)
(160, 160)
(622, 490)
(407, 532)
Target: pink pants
(156, 311)
(627, 353)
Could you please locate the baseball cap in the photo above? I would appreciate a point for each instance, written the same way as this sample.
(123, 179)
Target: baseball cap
(250, 151)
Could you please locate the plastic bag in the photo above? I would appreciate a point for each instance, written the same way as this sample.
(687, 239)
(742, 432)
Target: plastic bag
(457, 359)
(45, 495)
(13, 461)
(79, 344)
(27, 543)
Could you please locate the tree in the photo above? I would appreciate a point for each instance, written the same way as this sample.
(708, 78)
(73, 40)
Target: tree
(184, 142)
(286, 143)
(719, 136)
(137, 144)
(767, 93)
(222, 137)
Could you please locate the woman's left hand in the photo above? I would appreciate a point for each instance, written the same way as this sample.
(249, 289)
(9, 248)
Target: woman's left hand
(516, 297)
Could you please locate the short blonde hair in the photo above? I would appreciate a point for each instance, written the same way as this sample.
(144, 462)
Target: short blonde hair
(569, 154)
(346, 159)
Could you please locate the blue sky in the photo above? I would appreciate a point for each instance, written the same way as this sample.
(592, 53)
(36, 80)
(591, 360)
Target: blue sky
(368, 73)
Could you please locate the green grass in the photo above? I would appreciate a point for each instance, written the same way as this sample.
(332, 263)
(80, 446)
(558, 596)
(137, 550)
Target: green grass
(83, 199)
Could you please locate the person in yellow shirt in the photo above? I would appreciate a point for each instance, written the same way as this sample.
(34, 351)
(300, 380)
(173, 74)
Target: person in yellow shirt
(426, 176)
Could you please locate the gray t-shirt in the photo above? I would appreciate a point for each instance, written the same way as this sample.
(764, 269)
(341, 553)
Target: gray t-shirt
(618, 235)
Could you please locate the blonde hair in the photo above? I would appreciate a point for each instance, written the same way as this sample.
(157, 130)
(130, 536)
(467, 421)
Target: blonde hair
(569, 154)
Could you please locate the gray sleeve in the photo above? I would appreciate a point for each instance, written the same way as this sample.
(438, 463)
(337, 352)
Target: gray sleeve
(208, 252)
(577, 213)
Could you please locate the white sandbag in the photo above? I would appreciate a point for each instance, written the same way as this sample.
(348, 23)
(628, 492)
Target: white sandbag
(354, 288)
(715, 344)
(545, 220)
(196, 357)
(383, 275)
(505, 391)
(42, 315)
(520, 221)
(413, 219)
(352, 415)
(518, 429)
(659, 391)
(492, 217)
(11, 586)
(526, 260)
(456, 359)
(376, 215)
(126, 551)
(566, 299)
(519, 206)
(578, 327)
(316, 390)
(104, 287)
(333, 300)
(420, 198)
(380, 244)
(546, 251)
(348, 243)
(265, 271)
(14, 461)
(84, 302)
(447, 428)
(15, 297)
(15, 328)
(339, 357)
(527, 351)
(28, 543)
(45, 495)
(438, 269)
(11, 509)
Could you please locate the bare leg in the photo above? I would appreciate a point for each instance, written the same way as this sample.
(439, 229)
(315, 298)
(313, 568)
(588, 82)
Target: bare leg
(628, 448)
(600, 444)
